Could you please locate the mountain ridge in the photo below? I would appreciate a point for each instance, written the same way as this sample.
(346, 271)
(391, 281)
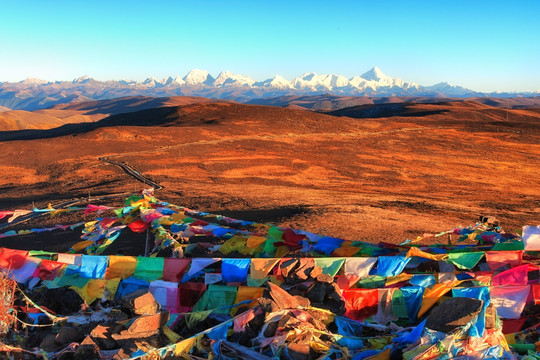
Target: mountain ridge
(32, 94)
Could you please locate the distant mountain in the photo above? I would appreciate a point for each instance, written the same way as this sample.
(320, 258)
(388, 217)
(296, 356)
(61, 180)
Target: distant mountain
(32, 94)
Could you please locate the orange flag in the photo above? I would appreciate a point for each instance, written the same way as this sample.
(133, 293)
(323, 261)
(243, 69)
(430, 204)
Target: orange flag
(497, 259)
(259, 268)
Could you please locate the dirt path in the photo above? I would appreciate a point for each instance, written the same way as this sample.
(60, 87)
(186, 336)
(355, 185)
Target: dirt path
(132, 172)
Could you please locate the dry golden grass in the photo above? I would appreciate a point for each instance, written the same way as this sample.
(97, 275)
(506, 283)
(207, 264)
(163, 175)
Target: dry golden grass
(7, 297)
(386, 178)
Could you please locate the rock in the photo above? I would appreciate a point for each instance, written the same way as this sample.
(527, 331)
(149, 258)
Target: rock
(453, 313)
(49, 345)
(116, 328)
(491, 317)
(296, 292)
(67, 335)
(118, 315)
(60, 300)
(325, 278)
(302, 301)
(17, 354)
(287, 266)
(334, 292)
(141, 302)
(122, 354)
(268, 305)
(87, 350)
(36, 338)
(284, 321)
(335, 306)
(305, 269)
(102, 337)
(298, 351)
(145, 330)
(315, 272)
(154, 341)
(489, 220)
(257, 322)
(270, 329)
(282, 298)
(317, 292)
(148, 323)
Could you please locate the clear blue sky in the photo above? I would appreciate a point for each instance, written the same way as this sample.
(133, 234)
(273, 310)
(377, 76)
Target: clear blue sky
(481, 45)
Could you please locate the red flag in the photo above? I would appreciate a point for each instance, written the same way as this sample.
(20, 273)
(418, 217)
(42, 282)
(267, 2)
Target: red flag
(174, 269)
(91, 208)
(511, 326)
(496, 259)
(138, 226)
(361, 303)
(514, 276)
(12, 259)
(48, 270)
(3, 214)
(536, 293)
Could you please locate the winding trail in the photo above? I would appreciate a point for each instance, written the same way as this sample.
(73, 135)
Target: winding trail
(132, 172)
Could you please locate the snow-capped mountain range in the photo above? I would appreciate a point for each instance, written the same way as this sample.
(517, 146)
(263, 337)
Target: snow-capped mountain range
(31, 94)
(372, 80)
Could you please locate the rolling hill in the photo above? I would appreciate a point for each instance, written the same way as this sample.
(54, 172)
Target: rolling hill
(328, 102)
(408, 170)
(87, 111)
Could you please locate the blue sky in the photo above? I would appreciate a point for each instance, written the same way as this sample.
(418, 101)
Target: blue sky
(481, 45)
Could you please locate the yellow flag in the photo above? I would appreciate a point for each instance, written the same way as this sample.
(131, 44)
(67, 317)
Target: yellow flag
(391, 280)
(254, 241)
(82, 245)
(431, 296)
(414, 251)
(184, 346)
(121, 267)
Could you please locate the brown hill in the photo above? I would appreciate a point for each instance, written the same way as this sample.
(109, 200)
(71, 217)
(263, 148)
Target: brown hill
(511, 103)
(133, 103)
(88, 111)
(327, 102)
(41, 119)
(379, 178)
(222, 115)
(466, 114)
